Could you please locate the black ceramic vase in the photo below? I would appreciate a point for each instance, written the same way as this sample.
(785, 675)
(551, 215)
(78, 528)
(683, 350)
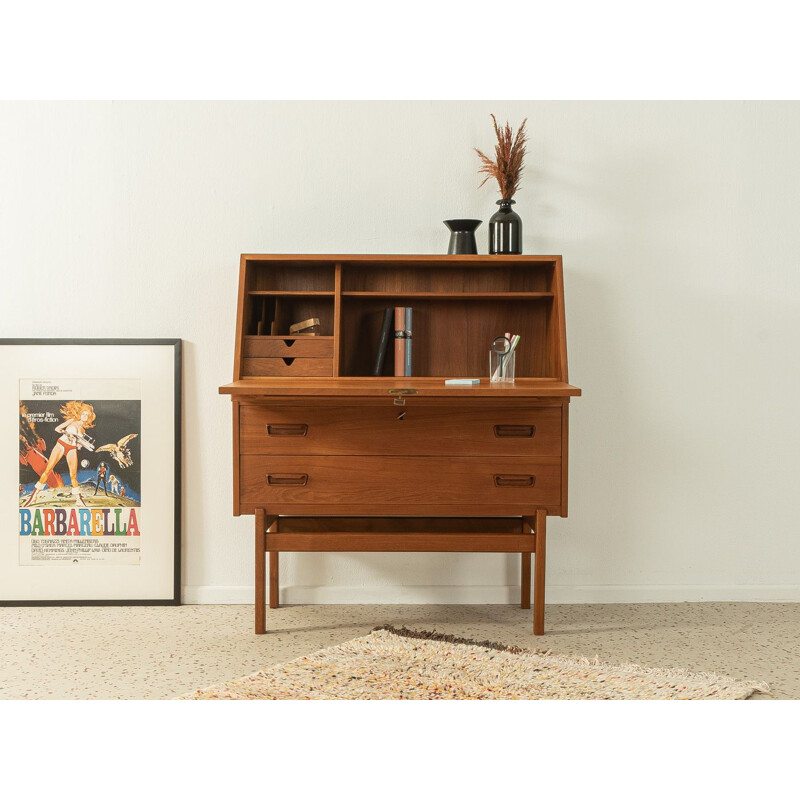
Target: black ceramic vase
(462, 236)
(505, 230)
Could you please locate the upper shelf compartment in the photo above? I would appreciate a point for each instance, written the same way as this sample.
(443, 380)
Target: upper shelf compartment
(306, 277)
(457, 278)
(460, 304)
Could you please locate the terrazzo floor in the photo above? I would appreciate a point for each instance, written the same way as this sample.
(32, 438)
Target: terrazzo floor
(151, 653)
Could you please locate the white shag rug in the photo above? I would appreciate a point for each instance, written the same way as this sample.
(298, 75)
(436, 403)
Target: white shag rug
(401, 664)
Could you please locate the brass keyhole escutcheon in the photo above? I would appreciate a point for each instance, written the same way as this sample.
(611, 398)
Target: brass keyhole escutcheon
(400, 395)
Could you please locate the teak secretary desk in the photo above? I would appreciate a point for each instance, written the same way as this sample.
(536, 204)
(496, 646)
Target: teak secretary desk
(329, 458)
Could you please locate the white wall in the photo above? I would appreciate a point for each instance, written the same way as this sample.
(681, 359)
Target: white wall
(678, 223)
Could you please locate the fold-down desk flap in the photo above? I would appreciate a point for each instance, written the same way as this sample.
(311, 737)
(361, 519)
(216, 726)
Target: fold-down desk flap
(383, 387)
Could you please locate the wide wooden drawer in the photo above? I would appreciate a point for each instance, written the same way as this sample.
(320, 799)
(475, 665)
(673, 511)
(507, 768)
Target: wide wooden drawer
(415, 429)
(401, 482)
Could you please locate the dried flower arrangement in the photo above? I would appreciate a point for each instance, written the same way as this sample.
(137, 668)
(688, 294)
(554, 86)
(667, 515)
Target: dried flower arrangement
(506, 168)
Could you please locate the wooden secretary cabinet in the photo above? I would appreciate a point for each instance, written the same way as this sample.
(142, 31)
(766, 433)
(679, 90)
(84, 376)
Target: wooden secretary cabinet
(329, 458)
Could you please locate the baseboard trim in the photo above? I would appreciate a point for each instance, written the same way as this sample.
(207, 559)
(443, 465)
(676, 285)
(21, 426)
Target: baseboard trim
(489, 595)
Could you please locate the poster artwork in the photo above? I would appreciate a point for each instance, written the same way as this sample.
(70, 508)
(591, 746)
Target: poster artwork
(80, 475)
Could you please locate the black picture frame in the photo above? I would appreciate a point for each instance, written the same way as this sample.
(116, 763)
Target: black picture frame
(161, 585)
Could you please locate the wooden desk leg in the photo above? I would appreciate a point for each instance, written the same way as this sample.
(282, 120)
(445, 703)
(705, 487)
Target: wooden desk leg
(274, 586)
(540, 530)
(525, 579)
(261, 570)
(525, 582)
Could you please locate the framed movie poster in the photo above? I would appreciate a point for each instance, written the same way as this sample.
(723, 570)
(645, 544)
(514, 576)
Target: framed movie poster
(90, 498)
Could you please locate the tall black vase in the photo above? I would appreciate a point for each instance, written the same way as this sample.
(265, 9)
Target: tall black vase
(505, 230)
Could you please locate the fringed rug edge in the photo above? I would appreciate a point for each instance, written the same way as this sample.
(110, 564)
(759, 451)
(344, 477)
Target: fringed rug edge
(408, 633)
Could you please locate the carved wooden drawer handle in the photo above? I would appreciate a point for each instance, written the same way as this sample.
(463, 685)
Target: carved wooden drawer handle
(514, 480)
(287, 480)
(509, 431)
(287, 430)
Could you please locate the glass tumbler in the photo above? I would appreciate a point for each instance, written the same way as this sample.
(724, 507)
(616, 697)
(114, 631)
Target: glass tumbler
(501, 366)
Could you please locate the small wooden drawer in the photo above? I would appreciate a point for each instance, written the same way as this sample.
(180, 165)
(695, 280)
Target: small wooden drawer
(399, 484)
(287, 367)
(288, 347)
(414, 429)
